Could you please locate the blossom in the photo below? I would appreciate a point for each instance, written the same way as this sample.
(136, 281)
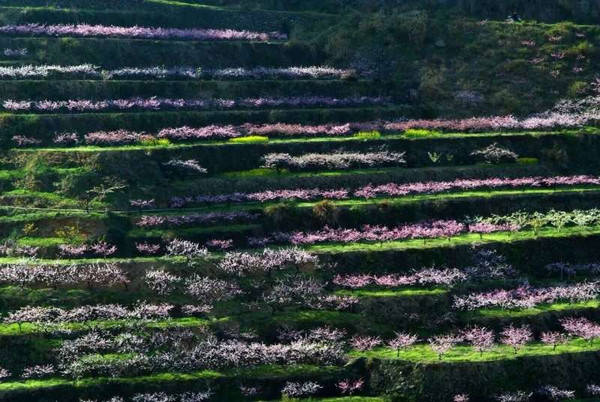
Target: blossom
(516, 337)
(364, 343)
(441, 344)
(402, 341)
(295, 389)
(86, 30)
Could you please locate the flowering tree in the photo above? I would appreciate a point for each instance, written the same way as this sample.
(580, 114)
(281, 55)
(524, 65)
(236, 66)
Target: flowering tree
(527, 297)
(190, 165)
(481, 338)
(209, 291)
(441, 344)
(296, 389)
(364, 343)
(516, 337)
(554, 339)
(518, 396)
(350, 387)
(495, 154)
(556, 394)
(593, 389)
(103, 249)
(335, 160)
(240, 264)
(92, 275)
(388, 189)
(219, 244)
(581, 327)
(189, 250)
(161, 282)
(87, 30)
(147, 248)
(429, 276)
(402, 341)
(38, 371)
(4, 374)
(155, 103)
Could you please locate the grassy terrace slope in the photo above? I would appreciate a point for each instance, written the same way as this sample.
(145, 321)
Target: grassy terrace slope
(377, 201)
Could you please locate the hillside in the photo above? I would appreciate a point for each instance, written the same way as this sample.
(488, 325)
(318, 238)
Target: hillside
(343, 201)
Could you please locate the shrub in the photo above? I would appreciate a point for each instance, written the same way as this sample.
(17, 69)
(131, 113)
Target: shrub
(38, 174)
(326, 212)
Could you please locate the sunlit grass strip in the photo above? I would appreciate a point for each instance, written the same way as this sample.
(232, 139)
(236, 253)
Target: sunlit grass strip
(44, 213)
(422, 353)
(92, 382)
(391, 293)
(460, 240)
(259, 372)
(413, 244)
(276, 141)
(32, 328)
(542, 309)
(37, 214)
(526, 191)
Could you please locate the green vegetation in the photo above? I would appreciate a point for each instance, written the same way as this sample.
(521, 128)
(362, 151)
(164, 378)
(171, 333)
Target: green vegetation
(391, 293)
(458, 354)
(456, 73)
(251, 139)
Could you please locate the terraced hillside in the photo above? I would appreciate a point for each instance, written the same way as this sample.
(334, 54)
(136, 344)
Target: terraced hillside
(301, 200)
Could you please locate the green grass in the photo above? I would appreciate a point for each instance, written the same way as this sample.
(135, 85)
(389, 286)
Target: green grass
(423, 354)
(98, 381)
(555, 307)
(464, 239)
(405, 200)
(391, 292)
(260, 372)
(251, 139)
(10, 174)
(39, 196)
(43, 214)
(368, 135)
(31, 328)
(287, 140)
(457, 195)
(334, 248)
(422, 133)
(41, 241)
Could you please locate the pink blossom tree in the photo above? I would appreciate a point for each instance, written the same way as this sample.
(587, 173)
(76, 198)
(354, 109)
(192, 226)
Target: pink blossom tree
(554, 339)
(516, 337)
(350, 387)
(481, 338)
(441, 344)
(402, 341)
